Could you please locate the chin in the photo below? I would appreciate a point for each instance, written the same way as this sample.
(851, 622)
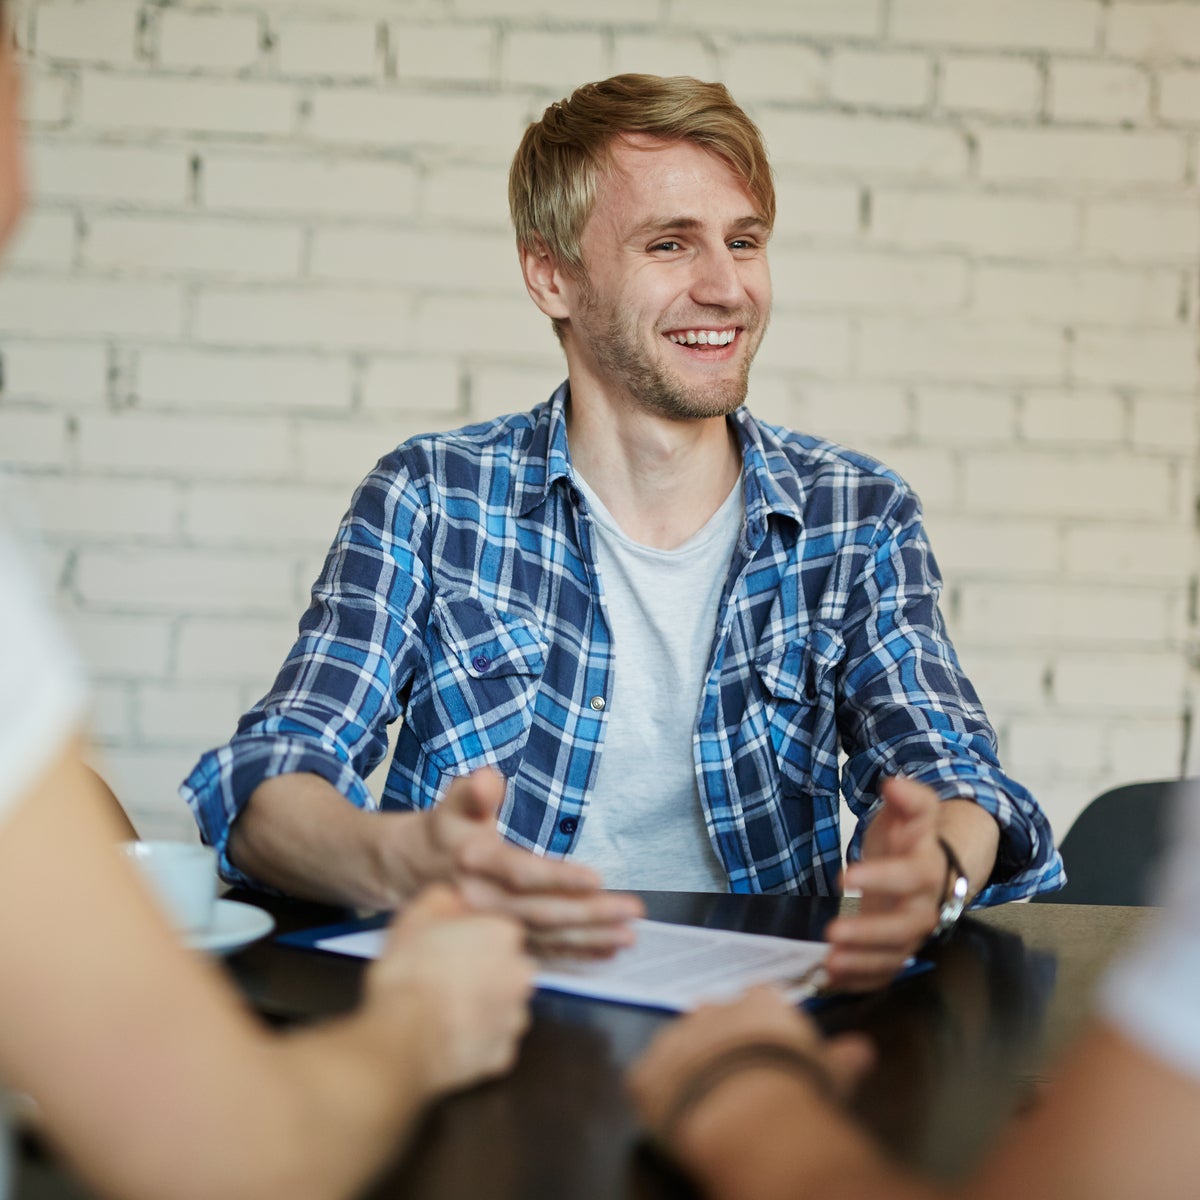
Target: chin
(696, 403)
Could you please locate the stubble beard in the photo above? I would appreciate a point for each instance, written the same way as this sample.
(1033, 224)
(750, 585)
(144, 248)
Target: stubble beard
(621, 356)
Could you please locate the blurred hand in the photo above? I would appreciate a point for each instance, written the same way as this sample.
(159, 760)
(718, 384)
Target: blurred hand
(902, 876)
(560, 903)
(764, 1014)
(470, 979)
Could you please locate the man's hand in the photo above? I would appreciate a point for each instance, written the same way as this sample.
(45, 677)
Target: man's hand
(469, 980)
(686, 1047)
(560, 903)
(902, 876)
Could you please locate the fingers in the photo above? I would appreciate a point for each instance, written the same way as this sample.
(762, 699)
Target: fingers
(869, 947)
(582, 941)
(902, 930)
(901, 877)
(896, 878)
(908, 814)
(477, 796)
(542, 913)
(520, 870)
(908, 798)
(470, 981)
(559, 903)
(596, 925)
(437, 902)
(763, 1014)
(862, 970)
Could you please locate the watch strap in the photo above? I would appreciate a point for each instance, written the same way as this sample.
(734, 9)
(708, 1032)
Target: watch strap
(954, 895)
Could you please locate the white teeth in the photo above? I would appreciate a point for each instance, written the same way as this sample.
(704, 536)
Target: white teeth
(703, 337)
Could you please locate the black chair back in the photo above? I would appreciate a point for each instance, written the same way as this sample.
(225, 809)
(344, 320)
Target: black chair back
(1112, 849)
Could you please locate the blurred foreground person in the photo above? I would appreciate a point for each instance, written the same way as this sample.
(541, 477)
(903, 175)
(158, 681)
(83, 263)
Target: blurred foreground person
(742, 1096)
(148, 1073)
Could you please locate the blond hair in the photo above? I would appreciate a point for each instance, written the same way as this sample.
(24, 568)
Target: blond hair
(555, 173)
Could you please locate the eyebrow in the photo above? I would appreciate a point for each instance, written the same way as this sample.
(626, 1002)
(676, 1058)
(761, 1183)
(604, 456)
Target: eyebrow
(657, 225)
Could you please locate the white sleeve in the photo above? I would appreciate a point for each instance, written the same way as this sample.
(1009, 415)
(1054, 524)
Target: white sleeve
(1153, 994)
(42, 693)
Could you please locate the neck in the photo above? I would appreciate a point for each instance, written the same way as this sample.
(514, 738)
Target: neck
(661, 479)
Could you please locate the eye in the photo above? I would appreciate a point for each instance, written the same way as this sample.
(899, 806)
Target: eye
(668, 246)
(743, 244)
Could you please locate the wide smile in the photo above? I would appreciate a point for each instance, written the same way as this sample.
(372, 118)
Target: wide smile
(707, 344)
(703, 337)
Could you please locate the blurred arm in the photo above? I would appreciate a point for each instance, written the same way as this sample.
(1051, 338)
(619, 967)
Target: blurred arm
(1116, 1122)
(144, 1062)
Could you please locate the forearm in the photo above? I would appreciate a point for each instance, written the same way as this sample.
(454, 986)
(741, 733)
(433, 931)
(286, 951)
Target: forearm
(975, 837)
(148, 1072)
(769, 1136)
(354, 1090)
(299, 834)
(311, 1117)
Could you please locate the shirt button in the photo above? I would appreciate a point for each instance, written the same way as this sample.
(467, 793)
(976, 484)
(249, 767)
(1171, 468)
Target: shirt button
(481, 662)
(597, 703)
(568, 825)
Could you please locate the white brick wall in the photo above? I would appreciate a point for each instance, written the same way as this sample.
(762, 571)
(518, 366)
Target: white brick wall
(95, 31)
(328, 49)
(989, 84)
(1102, 92)
(207, 41)
(270, 240)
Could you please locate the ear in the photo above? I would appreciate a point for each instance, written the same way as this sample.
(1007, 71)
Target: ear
(547, 284)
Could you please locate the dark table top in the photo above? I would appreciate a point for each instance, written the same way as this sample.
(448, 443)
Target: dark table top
(960, 1047)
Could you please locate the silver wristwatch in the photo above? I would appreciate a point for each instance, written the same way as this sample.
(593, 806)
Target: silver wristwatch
(954, 897)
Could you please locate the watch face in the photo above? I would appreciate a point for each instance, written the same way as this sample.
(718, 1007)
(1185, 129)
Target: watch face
(953, 905)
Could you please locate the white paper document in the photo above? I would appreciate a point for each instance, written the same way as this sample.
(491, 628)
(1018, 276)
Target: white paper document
(676, 967)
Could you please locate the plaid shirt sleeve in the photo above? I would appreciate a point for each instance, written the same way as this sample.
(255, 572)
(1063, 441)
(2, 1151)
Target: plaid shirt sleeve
(328, 710)
(906, 708)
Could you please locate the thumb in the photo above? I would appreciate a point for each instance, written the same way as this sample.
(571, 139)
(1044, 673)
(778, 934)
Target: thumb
(908, 798)
(911, 809)
(477, 796)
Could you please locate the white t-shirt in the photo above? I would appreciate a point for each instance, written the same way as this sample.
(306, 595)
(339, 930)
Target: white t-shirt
(644, 825)
(1153, 994)
(41, 702)
(41, 685)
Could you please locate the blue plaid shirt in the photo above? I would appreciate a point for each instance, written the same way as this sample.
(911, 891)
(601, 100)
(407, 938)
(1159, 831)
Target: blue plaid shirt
(461, 594)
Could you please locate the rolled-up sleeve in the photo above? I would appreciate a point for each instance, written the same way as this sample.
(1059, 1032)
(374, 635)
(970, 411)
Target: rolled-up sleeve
(328, 710)
(906, 708)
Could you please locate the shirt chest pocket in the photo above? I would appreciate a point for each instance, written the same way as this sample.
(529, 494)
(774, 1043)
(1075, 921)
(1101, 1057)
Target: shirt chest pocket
(472, 701)
(799, 681)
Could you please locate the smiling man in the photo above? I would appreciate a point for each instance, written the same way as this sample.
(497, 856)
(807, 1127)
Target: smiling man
(658, 618)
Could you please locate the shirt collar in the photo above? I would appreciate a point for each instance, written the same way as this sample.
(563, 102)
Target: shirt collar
(547, 459)
(767, 491)
(772, 484)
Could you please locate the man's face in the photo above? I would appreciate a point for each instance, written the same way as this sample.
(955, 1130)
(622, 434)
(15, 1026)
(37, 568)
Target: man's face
(677, 291)
(12, 167)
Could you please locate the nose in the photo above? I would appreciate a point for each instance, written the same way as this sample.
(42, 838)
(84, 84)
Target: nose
(717, 281)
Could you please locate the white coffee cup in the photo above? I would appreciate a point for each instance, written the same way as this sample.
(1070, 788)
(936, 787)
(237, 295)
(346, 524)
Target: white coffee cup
(183, 875)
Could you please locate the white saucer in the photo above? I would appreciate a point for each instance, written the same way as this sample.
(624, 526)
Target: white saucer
(234, 925)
